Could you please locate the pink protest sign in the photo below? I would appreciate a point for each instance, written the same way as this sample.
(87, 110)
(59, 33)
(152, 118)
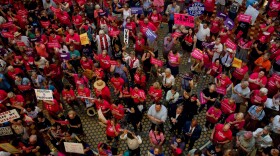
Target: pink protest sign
(7, 35)
(230, 44)
(182, 19)
(177, 34)
(244, 18)
(156, 61)
(197, 54)
(53, 45)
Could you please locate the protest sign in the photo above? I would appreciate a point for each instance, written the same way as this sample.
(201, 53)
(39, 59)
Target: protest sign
(158, 3)
(7, 35)
(182, 19)
(8, 115)
(84, 39)
(229, 23)
(237, 63)
(150, 35)
(239, 2)
(222, 15)
(114, 33)
(5, 131)
(253, 13)
(7, 25)
(176, 34)
(22, 12)
(44, 94)
(136, 10)
(196, 9)
(244, 18)
(20, 44)
(9, 148)
(65, 56)
(45, 24)
(126, 36)
(156, 61)
(71, 147)
(55, 10)
(197, 54)
(230, 44)
(53, 45)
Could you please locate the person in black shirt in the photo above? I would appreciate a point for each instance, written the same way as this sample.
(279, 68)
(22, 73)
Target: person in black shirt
(259, 48)
(210, 95)
(243, 28)
(75, 123)
(190, 107)
(43, 123)
(214, 150)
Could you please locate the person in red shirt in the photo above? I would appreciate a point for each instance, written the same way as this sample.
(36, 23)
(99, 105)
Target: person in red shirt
(77, 20)
(42, 38)
(131, 26)
(228, 107)
(212, 116)
(215, 68)
(209, 8)
(79, 79)
(53, 38)
(117, 111)
(98, 73)
(224, 34)
(16, 100)
(12, 72)
(86, 63)
(117, 83)
(267, 29)
(102, 90)
(28, 62)
(102, 104)
(274, 8)
(63, 18)
(258, 97)
(236, 122)
(221, 134)
(73, 39)
(69, 96)
(54, 108)
(215, 26)
(139, 42)
(54, 72)
(239, 73)
(125, 96)
(273, 85)
(3, 98)
(155, 18)
(104, 60)
(84, 94)
(257, 80)
(274, 49)
(112, 129)
(155, 92)
(223, 84)
(140, 78)
(138, 96)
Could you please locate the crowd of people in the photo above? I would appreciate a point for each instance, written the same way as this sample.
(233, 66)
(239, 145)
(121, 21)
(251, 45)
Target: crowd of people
(123, 82)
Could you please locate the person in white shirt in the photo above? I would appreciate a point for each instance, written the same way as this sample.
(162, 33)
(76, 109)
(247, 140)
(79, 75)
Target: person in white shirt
(168, 80)
(239, 94)
(133, 142)
(262, 137)
(133, 63)
(157, 114)
(172, 95)
(217, 50)
(202, 34)
(275, 128)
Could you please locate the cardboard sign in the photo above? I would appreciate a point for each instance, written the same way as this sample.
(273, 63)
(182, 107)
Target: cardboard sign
(156, 62)
(44, 94)
(150, 35)
(9, 148)
(5, 131)
(237, 63)
(9, 115)
(229, 23)
(7, 25)
(71, 147)
(244, 18)
(197, 54)
(136, 10)
(7, 35)
(55, 10)
(196, 9)
(251, 11)
(230, 44)
(113, 62)
(22, 12)
(185, 20)
(126, 36)
(84, 39)
(20, 44)
(222, 15)
(53, 45)
(65, 56)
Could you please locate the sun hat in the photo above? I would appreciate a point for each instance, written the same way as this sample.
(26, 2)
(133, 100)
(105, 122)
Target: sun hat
(16, 34)
(99, 84)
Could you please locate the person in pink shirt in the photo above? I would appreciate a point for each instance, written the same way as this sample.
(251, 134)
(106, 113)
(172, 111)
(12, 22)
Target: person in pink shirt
(138, 95)
(156, 136)
(156, 18)
(228, 107)
(146, 24)
(212, 116)
(257, 80)
(273, 85)
(258, 97)
(223, 84)
(63, 18)
(104, 60)
(73, 39)
(267, 29)
(209, 8)
(215, 26)
(139, 42)
(86, 63)
(239, 73)
(117, 83)
(236, 122)
(221, 134)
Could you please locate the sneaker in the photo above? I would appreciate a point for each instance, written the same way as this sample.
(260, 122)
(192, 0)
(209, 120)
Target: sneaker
(205, 129)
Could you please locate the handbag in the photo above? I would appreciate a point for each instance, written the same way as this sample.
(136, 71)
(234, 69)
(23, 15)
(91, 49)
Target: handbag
(202, 99)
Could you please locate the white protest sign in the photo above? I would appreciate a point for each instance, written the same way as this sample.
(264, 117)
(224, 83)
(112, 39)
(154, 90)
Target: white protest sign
(126, 36)
(5, 131)
(239, 2)
(8, 115)
(71, 147)
(44, 94)
(252, 12)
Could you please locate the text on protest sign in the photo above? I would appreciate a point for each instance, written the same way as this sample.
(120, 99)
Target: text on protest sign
(136, 10)
(150, 35)
(185, 20)
(43, 94)
(71, 147)
(229, 23)
(84, 39)
(230, 44)
(244, 18)
(8, 115)
(65, 56)
(196, 9)
(156, 61)
(5, 131)
(126, 36)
